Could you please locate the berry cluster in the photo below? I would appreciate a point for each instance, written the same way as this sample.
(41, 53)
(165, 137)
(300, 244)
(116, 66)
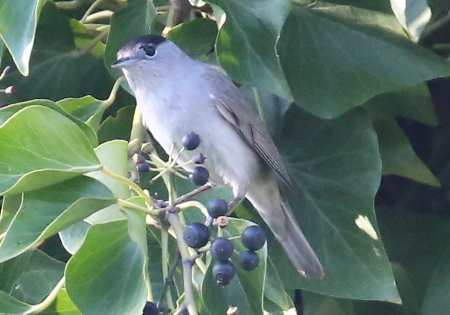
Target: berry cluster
(199, 175)
(197, 235)
(191, 141)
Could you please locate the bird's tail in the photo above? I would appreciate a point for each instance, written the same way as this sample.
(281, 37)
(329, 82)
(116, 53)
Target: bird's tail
(278, 215)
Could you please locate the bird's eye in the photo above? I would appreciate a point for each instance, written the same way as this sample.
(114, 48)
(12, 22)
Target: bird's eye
(149, 50)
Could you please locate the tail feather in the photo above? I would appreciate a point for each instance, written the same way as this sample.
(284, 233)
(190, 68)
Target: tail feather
(278, 215)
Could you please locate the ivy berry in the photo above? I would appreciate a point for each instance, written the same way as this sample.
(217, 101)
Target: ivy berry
(191, 141)
(196, 235)
(222, 248)
(253, 237)
(199, 176)
(217, 208)
(223, 272)
(249, 260)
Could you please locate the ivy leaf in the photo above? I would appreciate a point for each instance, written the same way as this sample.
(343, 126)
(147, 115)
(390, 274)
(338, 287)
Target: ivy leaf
(17, 29)
(246, 43)
(46, 211)
(336, 169)
(375, 60)
(107, 277)
(29, 162)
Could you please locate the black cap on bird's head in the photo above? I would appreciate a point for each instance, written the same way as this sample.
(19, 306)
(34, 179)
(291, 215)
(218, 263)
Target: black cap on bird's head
(143, 47)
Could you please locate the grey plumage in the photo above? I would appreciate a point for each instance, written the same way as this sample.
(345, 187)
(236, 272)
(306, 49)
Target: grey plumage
(178, 95)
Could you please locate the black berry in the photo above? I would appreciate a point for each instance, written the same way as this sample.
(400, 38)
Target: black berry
(221, 248)
(150, 309)
(199, 158)
(143, 167)
(223, 272)
(249, 260)
(196, 235)
(199, 175)
(254, 237)
(217, 208)
(191, 141)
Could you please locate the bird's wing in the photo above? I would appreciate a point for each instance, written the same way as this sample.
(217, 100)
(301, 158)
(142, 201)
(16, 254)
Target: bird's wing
(235, 110)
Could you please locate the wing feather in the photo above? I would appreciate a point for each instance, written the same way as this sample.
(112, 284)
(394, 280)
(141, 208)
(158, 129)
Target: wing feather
(236, 111)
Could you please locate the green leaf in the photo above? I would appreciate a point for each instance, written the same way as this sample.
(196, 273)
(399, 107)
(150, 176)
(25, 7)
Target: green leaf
(118, 126)
(12, 306)
(397, 154)
(273, 287)
(246, 289)
(344, 51)
(63, 305)
(195, 38)
(436, 298)
(18, 20)
(73, 236)
(413, 15)
(336, 169)
(413, 103)
(7, 111)
(10, 205)
(36, 153)
(58, 70)
(46, 211)
(246, 43)
(107, 277)
(31, 276)
(87, 109)
(113, 156)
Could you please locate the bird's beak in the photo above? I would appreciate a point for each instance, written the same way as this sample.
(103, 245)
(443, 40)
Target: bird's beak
(123, 63)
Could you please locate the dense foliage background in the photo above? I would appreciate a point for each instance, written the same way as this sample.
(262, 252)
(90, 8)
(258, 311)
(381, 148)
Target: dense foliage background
(351, 90)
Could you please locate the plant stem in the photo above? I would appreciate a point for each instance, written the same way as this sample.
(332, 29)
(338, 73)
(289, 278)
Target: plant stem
(259, 105)
(35, 309)
(191, 204)
(133, 185)
(69, 5)
(127, 204)
(89, 10)
(105, 14)
(112, 96)
(165, 264)
(94, 42)
(175, 222)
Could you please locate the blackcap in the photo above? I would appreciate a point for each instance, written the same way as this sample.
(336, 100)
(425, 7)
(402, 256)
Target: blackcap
(178, 95)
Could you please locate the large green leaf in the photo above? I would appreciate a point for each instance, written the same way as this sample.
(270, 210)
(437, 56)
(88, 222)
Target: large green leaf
(58, 70)
(41, 147)
(113, 156)
(246, 43)
(107, 277)
(336, 169)
(413, 103)
(62, 305)
(118, 126)
(87, 109)
(413, 15)
(245, 290)
(46, 211)
(10, 110)
(12, 306)
(418, 243)
(338, 57)
(397, 153)
(18, 20)
(30, 277)
(195, 38)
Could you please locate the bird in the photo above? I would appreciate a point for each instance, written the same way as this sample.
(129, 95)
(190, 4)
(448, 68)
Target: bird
(178, 95)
